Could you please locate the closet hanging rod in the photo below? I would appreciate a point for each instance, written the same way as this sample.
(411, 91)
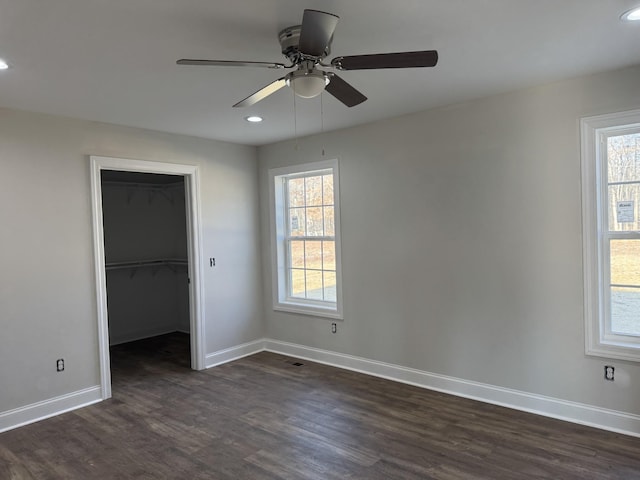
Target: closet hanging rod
(146, 263)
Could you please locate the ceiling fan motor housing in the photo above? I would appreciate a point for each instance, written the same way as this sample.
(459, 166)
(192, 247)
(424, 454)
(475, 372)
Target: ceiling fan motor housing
(290, 45)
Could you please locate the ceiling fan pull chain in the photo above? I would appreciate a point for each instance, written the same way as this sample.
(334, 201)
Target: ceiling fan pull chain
(322, 120)
(295, 122)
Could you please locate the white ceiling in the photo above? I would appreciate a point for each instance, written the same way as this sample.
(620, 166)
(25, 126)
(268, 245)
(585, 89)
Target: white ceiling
(114, 60)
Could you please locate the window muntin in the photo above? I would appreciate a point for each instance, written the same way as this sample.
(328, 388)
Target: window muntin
(310, 240)
(611, 230)
(305, 228)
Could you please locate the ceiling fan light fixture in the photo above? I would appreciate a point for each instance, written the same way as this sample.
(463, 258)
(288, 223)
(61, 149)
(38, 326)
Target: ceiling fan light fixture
(3, 65)
(306, 46)
(632, 15)
(308, 83)
(253, 119)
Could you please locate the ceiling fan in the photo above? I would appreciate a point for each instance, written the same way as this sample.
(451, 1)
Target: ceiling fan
(306, 46)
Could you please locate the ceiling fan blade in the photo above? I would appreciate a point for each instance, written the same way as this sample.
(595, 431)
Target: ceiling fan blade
(316, 32)
(262, 93)
(425, 58)
(227, 63)
(344, 92)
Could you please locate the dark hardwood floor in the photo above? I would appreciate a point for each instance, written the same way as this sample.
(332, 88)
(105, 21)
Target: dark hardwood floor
(265, 417)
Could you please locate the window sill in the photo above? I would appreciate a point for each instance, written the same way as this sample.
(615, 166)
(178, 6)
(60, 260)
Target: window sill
(308, 310)
(615, 351)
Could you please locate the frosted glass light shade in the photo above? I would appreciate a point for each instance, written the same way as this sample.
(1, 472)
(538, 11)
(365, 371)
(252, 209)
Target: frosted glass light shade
(308, 84)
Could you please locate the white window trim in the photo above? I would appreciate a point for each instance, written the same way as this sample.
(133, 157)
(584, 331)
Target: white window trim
(598, 341)
(281, 302)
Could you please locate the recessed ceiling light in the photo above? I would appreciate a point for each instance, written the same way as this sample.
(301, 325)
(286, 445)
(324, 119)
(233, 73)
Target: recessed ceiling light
(3, 65)
(632, 15)
(253, 119)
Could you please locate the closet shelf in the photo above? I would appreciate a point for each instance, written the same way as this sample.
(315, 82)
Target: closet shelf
(167, 190)
(155, 264)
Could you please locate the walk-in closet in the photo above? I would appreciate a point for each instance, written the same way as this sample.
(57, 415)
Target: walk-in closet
(145, 243)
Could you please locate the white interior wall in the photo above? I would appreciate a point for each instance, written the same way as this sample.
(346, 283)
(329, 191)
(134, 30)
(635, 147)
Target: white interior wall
(47, 282)
(461, 242)
(143, 224)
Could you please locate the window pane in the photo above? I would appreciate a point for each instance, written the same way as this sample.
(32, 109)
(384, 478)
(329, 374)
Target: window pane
(327, 189)
(624, 207)
(625, 311)
(625, 302)
(313, 254)
(313, 189)
(328, 256)
(330, 286)
(297, 222)
(296, 254)
(297, 283)
(314, 222)
(625, 262)
(329, 224)
(623, 158)
(314, 284)
(296, 192)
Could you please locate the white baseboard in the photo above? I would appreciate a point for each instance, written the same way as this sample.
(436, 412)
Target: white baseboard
(48, 408)
(606, 419)
(233, 353)
(612, 420)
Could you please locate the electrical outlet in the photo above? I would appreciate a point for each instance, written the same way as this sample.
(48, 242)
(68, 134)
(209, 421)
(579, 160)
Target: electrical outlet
(60, 365)
(334, 328)
(609, 372)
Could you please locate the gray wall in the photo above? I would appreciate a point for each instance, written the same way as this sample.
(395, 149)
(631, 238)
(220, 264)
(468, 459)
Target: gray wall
(47, 282)
(461, 232)
(462, 241)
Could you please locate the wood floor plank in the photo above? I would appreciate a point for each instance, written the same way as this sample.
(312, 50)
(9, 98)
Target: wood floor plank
(263, 417)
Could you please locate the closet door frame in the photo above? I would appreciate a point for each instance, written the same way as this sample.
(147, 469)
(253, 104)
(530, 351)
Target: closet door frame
(194, 242)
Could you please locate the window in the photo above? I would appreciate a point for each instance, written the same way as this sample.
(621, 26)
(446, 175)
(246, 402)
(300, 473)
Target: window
(611, 232)
(306, 233)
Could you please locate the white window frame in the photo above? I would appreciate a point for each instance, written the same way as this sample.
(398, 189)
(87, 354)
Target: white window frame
(281, 300)
(599, 339)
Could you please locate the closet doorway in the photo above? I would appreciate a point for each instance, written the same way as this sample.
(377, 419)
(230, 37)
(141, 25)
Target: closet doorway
(146, 255)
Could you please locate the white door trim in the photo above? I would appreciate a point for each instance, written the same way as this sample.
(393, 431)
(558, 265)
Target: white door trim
(192, 201)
